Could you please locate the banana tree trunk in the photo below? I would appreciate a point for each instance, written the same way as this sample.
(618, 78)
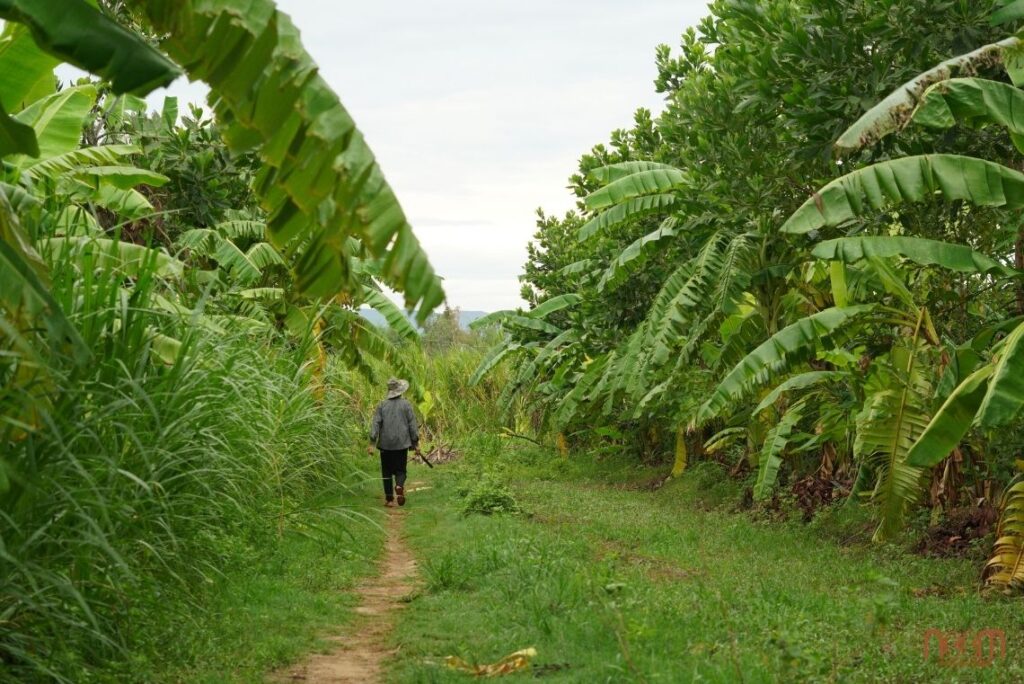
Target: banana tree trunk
(680, 462)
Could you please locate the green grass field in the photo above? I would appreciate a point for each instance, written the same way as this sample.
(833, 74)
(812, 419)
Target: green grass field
(610, 582)
(267, 611)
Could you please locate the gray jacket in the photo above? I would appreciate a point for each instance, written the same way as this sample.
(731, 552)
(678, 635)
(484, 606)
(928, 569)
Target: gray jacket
(394, 425)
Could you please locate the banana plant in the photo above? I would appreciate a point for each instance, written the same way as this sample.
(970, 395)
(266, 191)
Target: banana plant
(1005, 570)
(544, 352)
(313, 202)
(320, 183)
(731, 271)
(988, 394)
(75, 32)
(73, 179)
(991, 396)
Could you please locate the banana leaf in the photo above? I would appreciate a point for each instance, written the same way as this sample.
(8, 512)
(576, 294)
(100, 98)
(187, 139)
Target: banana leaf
(925, 252)
(909, 179)
(78, 33)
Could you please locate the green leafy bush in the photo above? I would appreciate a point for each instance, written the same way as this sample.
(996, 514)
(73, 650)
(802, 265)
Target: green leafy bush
(489, 495)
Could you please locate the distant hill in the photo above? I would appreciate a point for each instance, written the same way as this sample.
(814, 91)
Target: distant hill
(465, 317)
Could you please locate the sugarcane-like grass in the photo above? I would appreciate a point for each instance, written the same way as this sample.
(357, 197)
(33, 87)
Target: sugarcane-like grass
(134, 484)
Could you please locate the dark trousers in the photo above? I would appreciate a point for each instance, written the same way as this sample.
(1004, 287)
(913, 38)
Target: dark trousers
(392, 464)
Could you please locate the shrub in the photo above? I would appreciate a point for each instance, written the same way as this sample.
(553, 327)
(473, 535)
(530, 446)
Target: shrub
(488, 496)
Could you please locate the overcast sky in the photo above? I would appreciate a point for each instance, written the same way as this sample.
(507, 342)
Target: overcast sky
(478, 111)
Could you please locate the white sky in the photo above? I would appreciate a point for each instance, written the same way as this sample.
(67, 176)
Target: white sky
(478, 111)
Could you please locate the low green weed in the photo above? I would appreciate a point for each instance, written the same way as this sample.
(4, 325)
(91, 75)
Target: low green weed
(488, 496)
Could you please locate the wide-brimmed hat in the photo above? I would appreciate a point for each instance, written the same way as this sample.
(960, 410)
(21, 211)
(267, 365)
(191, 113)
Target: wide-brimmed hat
(397, 387)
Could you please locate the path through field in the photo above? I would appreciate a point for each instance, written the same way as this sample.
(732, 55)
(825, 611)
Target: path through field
(362, 648)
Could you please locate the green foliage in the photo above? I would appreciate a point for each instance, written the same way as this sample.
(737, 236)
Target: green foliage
(770, 458)
(894, 111)
(696, 251)
(951, 422)
(80, 34)
(168, 403)
(16, 137)
(312, 202)
(487, 495)
(777, 354)
(909, 179)
(29, 69)
(207, 184)
(921, 251)
(159, 473)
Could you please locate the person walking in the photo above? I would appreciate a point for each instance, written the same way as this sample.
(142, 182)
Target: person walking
(393, 431)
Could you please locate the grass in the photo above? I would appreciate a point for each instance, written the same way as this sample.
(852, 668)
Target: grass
(267, 612)
(138, 492)
(613, 583)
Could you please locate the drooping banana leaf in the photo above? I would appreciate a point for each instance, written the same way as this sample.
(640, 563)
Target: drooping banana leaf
(550, 306)
(129, 204)
(613, 172)
(319, 183)
(78, 33)
(650, 182)
(909, 179)
(891, 422)
(120, 177)
(357, 339)
(801, 381)
(165, 348)
(271, 294)
(200, 242)
(893, 113)
(572, 403)
(530, 323)
(983, 340)
(974, 102)
(960, 258)
(247, 230)
(1012, 11)
(492, 318)
(550, 356)
(117, 108)
(635, 255)
(739, 333)
(130, 259)
(635, 207)
(576, 267)
(891, 281)
(79, 158)
(236, 262)
(494, 356)
(262, 255)
(1005, 395)
(76, 221)
(963, 361)
(770, 458)
(951, 422)
(395, 317)
(683, 301)
(793, 343)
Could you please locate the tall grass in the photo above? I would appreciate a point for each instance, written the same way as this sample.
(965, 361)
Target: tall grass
(138, 481)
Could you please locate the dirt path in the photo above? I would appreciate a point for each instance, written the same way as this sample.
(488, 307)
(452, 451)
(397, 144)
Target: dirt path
(362, 647)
